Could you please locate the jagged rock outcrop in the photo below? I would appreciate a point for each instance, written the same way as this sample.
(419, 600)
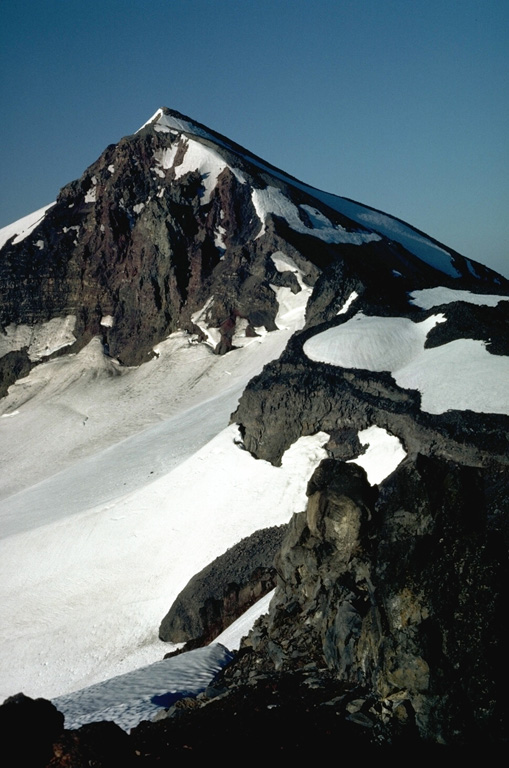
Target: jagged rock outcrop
(224, 590)
(297, 395)
(400, 594)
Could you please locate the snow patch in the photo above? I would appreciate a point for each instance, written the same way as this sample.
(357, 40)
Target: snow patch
(164, 158)
(219, 234)
(41, 340)
(200, 318)
(427, 298)
(239, 338)
(460, 375)
(292, 306)
(91, 195)
(271, 200)
(232, 635)
(157, 114)
(371, 343)
(346, 306)
(138, 207)
(107, 321)
(23, 227)
(207, 162)
(385, 452)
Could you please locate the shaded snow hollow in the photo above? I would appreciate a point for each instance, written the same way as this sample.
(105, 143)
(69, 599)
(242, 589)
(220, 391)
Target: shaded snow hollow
(139, 695)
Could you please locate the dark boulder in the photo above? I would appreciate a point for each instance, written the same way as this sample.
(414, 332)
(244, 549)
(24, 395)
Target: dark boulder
(29, 727)
(224, 589)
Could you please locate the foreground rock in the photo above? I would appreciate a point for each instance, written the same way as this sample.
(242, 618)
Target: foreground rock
(28, 729)
(401, 596)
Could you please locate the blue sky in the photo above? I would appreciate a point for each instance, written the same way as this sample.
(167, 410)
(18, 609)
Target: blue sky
(400, 104)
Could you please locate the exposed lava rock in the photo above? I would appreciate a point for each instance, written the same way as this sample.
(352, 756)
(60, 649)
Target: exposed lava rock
(401, 595)
(224, 590)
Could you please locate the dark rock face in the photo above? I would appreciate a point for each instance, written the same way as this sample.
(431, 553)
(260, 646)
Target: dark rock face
(400, 596)
(224, 590)
(102, 745)
(28, 727)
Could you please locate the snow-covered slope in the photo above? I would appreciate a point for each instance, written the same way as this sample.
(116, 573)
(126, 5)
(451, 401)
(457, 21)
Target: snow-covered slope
(117, 486)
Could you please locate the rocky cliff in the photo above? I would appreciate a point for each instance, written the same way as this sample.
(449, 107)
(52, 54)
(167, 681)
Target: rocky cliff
(399, 592)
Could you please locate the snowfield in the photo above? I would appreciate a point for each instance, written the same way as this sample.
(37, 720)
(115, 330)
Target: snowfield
(139, 695)
(459, 375)
(118, 485)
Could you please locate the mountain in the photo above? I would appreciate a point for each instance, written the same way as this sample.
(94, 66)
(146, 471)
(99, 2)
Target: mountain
(182, 280)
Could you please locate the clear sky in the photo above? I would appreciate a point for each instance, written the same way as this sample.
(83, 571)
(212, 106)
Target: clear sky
(400, 104)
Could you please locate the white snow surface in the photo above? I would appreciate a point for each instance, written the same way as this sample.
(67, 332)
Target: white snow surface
(292, 306)
(348, 303)
(384, 453)
(460, 375)
(91, 195)
(117, 486)
(427, 298)
(371, 343)
(272, 200)
(23, 227)
(41, 340)
(232, 635)
(208, 163)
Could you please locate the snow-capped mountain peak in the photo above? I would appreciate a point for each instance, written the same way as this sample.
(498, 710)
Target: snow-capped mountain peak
(188, 335)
